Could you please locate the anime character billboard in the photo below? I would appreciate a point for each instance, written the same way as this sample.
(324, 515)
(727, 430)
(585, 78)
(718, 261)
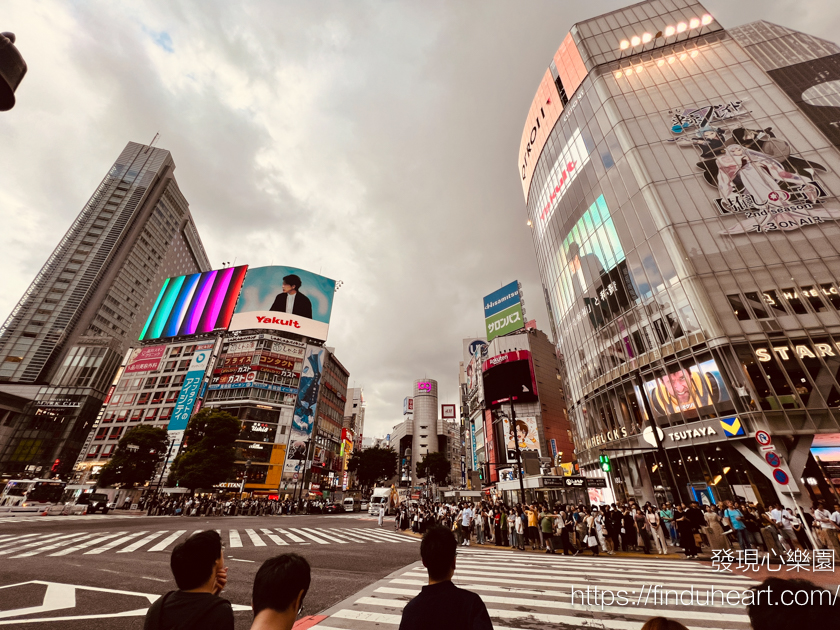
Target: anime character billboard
(525, 431)
(758, 176)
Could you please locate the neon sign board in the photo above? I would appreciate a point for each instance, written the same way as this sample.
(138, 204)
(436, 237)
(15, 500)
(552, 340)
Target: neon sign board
(424, 386)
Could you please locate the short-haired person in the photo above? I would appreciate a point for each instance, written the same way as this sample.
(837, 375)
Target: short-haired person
(198, 566)
(279, 588)
(291, 300)
(783, 604)
(662, 623)
(441, 605)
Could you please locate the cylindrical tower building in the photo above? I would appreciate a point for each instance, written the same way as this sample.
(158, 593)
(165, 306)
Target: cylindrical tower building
(425, 422)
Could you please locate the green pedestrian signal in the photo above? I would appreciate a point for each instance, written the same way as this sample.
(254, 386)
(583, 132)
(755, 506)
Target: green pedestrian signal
(605, 463)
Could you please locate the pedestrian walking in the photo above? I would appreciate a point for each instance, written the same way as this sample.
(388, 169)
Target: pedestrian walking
(656, 530)
(381, 514)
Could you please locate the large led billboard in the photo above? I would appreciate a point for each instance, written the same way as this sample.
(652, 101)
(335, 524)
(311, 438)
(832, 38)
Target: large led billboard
(509, 377)
(687, 391)
(503, 311)
(194, 304)
(285, 298)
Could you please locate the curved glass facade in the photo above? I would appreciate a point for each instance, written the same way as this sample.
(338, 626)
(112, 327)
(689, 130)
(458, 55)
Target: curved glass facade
(684, 216)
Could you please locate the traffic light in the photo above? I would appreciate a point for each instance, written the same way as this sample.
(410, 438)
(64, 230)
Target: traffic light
(605, 463)
(55, 465)
(481, 473)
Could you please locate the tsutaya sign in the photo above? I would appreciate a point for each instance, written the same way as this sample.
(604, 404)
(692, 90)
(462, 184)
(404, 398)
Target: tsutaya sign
(803, 351)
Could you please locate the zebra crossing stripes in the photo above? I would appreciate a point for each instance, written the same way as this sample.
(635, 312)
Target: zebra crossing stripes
(163, 544)
(96, 543)
(529, 590)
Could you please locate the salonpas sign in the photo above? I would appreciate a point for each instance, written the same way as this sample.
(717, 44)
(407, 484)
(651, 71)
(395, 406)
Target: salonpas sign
(503, 311)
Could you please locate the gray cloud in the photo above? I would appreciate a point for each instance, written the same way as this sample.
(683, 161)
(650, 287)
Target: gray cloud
(373, 142)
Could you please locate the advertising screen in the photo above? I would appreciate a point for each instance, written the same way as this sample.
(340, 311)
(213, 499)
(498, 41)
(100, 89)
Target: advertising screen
(306, 408)
(687, 391)
(194, 304)
(509, 376)
(503, 311)
(285, 298)
(526, 432)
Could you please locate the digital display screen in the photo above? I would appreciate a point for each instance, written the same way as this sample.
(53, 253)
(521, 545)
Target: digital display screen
(195, 304)
(509, 377)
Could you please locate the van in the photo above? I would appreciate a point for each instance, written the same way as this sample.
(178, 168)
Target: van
(351, 505)
(94, 502)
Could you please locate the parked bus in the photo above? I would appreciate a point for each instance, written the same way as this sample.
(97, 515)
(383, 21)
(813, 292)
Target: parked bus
(31, 493)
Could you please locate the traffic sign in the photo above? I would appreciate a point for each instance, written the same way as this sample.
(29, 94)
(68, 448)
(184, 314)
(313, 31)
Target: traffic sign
(781, 476)
(774, 460)
(767, 449)
(762, 437)
(295, 476)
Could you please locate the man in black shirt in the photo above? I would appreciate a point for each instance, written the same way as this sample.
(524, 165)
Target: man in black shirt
(279, 589)
(442, 605)
(198, 565)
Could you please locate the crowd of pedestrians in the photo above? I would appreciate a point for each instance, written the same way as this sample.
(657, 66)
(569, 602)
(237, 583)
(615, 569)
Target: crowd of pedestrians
(164, 505)
(648, 528)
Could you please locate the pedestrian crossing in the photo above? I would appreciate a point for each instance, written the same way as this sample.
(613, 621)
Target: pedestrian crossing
(14, 546)
(541, 591)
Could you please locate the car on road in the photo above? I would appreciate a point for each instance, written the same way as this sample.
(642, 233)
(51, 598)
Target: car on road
(333, 508)
(365, 504)
(91, 503)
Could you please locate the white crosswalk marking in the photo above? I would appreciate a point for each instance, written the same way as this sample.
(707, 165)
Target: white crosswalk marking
(255, 538)
(163, 544)
(140, 543)
(527, 590)
(113, 543)
(302, 532)
(62, 543)
(86, 544)
(273, 537)
(294, 537)
(96, 543)
(37, 543)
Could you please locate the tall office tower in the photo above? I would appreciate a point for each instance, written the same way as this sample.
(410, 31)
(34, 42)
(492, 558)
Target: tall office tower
(427, 424)
(86, 306)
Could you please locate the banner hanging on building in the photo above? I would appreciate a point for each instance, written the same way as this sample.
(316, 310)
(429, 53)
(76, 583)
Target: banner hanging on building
(192, 384)
(306, 409)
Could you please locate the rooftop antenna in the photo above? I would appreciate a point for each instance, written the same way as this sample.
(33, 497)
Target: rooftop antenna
(152, 143)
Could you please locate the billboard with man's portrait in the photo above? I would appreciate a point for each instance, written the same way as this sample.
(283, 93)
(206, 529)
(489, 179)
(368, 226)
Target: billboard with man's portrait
(285, 298)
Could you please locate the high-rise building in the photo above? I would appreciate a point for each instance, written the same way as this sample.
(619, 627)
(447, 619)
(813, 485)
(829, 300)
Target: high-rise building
(70, 330)
(426, 420)
(681, 185)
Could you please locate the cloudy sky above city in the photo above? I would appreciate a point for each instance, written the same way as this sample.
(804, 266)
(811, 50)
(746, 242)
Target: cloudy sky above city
(373, 142)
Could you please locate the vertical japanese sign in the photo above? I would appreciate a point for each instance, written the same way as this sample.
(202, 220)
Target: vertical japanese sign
(306, 409)
(192, 384)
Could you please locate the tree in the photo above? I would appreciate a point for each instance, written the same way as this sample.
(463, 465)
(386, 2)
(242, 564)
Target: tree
(435, 467)
(373, 464)
(132, 466)
(210, 455)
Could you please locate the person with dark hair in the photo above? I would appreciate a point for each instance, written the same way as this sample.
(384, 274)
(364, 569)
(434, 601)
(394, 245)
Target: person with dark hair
(279, 588)
(780, 604)
(662, 623)
(198, 566)
(291, 300)
(442, 605)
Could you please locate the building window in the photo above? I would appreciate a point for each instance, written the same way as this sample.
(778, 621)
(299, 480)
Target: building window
(121, 416)
(151, 414)
(108, 450)
(101, 433)
(166, 413)
(93, 452)
(144, 398)
(116, 432)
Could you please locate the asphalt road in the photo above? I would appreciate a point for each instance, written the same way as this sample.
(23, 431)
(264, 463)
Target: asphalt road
(102, 568)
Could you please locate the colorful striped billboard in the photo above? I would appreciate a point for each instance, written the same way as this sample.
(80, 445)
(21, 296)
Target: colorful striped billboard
(195, 304)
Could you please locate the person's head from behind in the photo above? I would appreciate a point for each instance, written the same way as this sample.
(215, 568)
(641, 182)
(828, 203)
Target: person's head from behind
(195, 561)
(780, 604)
(437, 550)
(662, 623)
(279, 588)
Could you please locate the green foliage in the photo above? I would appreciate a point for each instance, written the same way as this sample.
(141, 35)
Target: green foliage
(209, 456)
(373, 464)
(131, 467)
(434, 467)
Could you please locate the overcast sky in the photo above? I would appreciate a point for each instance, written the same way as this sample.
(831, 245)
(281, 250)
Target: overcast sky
(373, 142)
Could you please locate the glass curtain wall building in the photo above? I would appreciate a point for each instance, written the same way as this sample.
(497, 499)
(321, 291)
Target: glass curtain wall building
(683, 203)
(70, 330)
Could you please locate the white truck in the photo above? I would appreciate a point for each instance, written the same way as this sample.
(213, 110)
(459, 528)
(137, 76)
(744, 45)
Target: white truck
(382, 496)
